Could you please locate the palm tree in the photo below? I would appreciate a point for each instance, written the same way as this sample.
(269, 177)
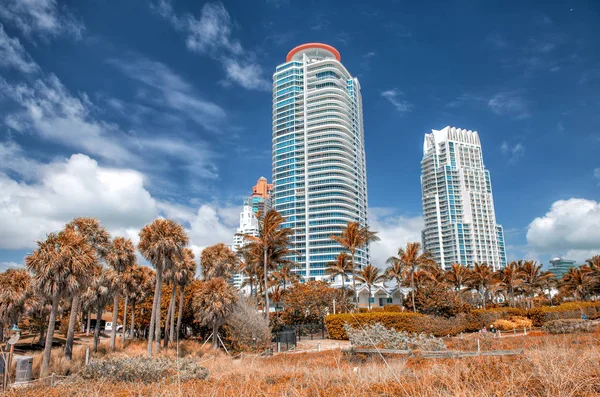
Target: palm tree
(397, 272)
(59, 263)
(370, 275)
(594, 264)
(341, 267)
(481, 278)
(99, 239)
(98, 296)
(508, 279)
(286, 276)
(248, 266)
(271, 244)
(129, 287)
(185, 275)
(161, 243)
(143, 278)
(354, 237)
(457, 276)
(15, 290)
(277, 294)
(178, 274)
(533, 279)
(578, 281)
(213, 302)
(412, 261)
(218, 261)
(121, 258)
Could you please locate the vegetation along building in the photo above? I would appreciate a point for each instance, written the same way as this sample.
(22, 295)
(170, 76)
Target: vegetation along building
(458, 205)
(319, 170)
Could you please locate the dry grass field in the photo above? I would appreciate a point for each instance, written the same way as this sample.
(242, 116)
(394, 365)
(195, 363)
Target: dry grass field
(552, 365)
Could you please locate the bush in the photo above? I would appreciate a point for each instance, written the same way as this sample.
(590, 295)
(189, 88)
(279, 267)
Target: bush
(141, 369)
(477, 319)
(376, 335)
(568, 326)
(399, 321)
(515, 322)
(569, 310)
(385, 309)
(247, 329)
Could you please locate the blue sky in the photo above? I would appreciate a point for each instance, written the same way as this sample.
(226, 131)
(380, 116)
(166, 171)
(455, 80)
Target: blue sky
(128, 110)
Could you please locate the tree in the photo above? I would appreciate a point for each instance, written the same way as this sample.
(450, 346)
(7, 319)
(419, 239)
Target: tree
(143, 278)
(121, 258)
(412, 260)
(457, 276)
(99, 239)
(311, 301)
(271, 245)
(98, 296)
(354, 237)
(218, 261)
(396, 272)
(249, 268)
(508, 279)
(15, 290)
(341, 267)
(185, 275)
(285, 275)
(213, 302)
(370, 275)
(533, 279)
(161, 243)
(578, 281)
(59, 263)
(481, 278)
(594, 264)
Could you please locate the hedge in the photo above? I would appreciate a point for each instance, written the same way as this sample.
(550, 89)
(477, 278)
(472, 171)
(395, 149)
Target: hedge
(479, 318)
(409, 322)
(569, 310)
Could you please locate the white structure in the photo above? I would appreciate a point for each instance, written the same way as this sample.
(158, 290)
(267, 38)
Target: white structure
(380, 296)
(458, 206)
(248, 225)
(319, 173)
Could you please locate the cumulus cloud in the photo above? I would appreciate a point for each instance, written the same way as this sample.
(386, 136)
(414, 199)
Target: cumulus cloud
(4, 266)
(396, 98)
(40, 18)
(212, 35)
(394, 231)
(571, 228)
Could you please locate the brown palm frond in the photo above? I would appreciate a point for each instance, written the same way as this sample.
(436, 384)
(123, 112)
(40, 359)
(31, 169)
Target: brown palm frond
(218, 261)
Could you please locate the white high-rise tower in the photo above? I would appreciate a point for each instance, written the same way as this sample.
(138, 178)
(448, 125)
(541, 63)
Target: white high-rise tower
(458, 206)
(318, 154)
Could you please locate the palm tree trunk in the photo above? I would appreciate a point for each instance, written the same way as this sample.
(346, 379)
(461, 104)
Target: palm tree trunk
(97, 329)
(483, 296)
(266, 284)
(167, 320)
(153, 315)
(412, 289)
(71, 330)
(172, 326)
(354, 283)
(180, 314)
(124, 321)
(157, 324)
(115, 318)
(89, 321)
(132, 320)
(49, 337)
(369, 286)
(1, 332)
(215, 335)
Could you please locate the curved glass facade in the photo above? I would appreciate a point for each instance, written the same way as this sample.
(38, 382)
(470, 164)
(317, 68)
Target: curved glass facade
(319, 169)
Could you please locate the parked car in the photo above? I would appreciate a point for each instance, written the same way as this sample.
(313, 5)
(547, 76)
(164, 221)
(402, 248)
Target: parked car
(108, 327)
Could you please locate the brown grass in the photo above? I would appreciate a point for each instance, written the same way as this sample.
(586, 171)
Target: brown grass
(553, 365)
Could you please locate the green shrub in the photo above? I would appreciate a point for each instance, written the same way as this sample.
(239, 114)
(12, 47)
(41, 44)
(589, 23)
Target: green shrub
(477, 319)
(568, 326)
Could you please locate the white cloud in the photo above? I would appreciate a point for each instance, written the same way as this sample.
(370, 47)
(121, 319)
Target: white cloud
(394, 231)
(211, 35)
(66, 189)
(571, 228)
(509, 104)
(42, 18)
(4, 266)
(513, 152)
(396, 98)
(13, 55)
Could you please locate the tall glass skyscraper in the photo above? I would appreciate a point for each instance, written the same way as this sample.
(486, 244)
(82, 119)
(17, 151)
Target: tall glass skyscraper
(458, 206)
(319, 173)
